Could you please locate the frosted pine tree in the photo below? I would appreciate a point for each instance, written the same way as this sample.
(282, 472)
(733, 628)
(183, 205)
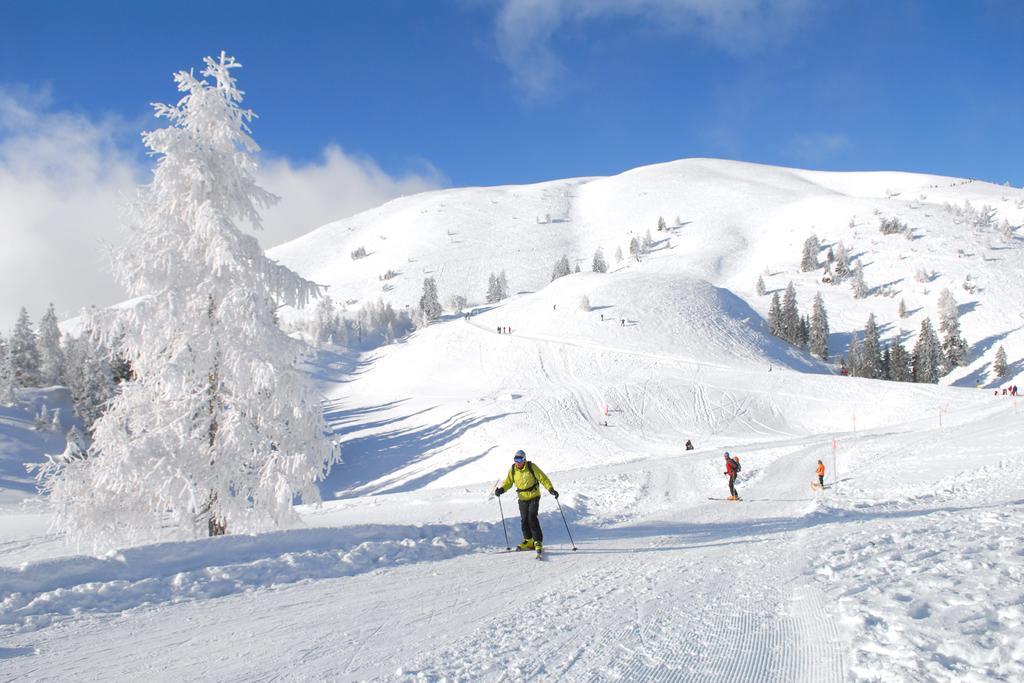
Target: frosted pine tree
(634, 248)
(661, 224)
(841, 267)
(599, 265)
(790, 316)
(775, 316)
(899, 363)
(561, 268)
(901, 311)
(618, 254)
(809, 259)
(857, 284)
(502, 286)
(760, 286)
(954, 346)
(24, 350)
(999, 366)
(8, 395)
(927, 360)
(89, 376)
(430, 304)
(871, 351)
(492, 289)
(854, 360)
(325, 320)
(219, 429)
(818, 341)
(51, 356)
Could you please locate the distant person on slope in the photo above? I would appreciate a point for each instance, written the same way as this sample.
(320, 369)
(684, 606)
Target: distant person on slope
(689, 445)
(528, 478)
(821, 474)
(732, 468)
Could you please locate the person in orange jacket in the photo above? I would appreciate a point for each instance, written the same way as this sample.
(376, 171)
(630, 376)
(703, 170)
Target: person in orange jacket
(821, 474)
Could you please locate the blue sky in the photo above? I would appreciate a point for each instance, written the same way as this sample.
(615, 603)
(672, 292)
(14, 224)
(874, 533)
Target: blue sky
(922, 86)
(363, 101)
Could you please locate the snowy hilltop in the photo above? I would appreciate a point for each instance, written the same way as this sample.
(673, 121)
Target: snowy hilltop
(596, 324)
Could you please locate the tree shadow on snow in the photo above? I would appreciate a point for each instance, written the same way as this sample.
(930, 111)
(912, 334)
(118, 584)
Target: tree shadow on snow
(373, 460)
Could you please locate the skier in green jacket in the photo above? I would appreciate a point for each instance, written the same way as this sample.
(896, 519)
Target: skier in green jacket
(528, 478)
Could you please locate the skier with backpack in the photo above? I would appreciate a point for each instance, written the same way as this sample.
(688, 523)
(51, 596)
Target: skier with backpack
(527, 478)
(732, 468)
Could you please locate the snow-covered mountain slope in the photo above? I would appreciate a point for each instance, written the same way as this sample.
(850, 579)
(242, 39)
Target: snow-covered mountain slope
(739, 221)
(905, 568)
(673, 347)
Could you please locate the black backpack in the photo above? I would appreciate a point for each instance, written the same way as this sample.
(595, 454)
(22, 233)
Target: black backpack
(529, 466)
(736, 464)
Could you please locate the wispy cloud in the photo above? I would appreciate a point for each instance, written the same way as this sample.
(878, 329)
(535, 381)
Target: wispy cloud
(65, 179)
(525, 29)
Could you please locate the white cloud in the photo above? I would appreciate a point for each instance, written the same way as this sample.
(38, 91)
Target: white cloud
(334, 187)
(65, 179)
(525, 29)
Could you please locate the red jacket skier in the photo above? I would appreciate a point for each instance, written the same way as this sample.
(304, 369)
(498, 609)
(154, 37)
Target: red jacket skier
(730, 471)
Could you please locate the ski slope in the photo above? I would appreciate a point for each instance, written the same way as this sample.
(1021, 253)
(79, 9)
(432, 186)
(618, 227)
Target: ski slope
(907, 567)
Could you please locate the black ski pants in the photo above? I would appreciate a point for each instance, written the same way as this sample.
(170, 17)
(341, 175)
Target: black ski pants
(732, 485)
(821, 480)
(528, 510)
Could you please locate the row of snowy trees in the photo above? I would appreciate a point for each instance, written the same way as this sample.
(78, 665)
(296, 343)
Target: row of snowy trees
(930, 359)
(785, 321)
(90, 368)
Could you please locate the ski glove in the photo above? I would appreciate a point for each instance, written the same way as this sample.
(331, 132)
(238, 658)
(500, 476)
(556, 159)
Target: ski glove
(554, 493)
(498, 491)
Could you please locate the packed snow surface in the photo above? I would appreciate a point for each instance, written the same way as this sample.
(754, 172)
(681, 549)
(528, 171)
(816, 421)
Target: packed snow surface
(908, 566)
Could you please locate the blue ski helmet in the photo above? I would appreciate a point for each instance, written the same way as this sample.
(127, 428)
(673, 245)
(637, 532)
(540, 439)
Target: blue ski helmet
(520, 455)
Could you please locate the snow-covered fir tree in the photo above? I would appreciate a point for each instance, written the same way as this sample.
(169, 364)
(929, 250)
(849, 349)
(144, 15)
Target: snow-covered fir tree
(51, 356)
(775, 315)
(841, 266)
(430, 303)
(493, 294)
(8, 388)
(857, 284)
(561, 268)
(661, 224)
(927, 359)
(219, 429)
(618, 254)
(325, 320)
(899, 367)
(760, 286)
(818, 334)
(24, 350)
(805, 332)
(585, 303)
(576, 269)
(790, 316)
(599, 265)
(647, 244)
(901, 311)
(871, 351)
(457, 303)
(999, 367)
(634, 248)
(854, 362)
(954, 346)
(88, 375)
(502, 286)
(809, 259)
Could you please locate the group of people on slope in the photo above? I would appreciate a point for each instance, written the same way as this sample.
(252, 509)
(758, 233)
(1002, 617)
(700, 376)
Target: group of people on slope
(527, 478)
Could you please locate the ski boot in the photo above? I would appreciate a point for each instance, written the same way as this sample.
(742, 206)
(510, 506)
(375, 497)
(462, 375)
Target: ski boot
(527, 544)
(539, 547)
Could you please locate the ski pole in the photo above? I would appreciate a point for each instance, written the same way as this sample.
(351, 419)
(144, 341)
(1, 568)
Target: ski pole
(566, 525)
(508, 546)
